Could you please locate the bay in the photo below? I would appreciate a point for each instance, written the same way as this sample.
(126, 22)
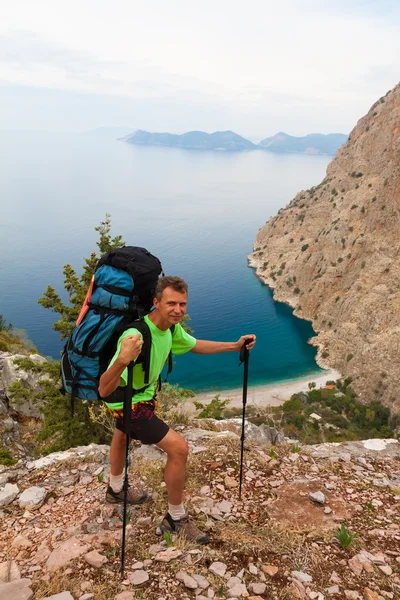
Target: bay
(198, 211)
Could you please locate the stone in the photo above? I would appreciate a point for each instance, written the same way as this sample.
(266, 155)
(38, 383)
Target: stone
(187, 580)
(9, 571)
(253, 569)
(386, 569)
(16, 590)
(230, 482)
(356, 565)
(168, 555)
(143, 521)
(8, 493)
(21, 541)
(317, 497)
(352, 595)
(232, 581)
(327, 510)
(370, 595)
(125, 596)
(95, 559)
(138, 577)
(201, 581)
(32, 497)
(65, 552)
(86, 597)
(258, 588)
(238, 590)
(302, 577)
(62, 596)
(270, 570)
(218, 568)
(224, 506)
(137, 565)
(334, 589)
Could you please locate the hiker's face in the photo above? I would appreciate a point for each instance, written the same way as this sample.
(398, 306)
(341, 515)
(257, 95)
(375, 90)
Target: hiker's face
(171, 306)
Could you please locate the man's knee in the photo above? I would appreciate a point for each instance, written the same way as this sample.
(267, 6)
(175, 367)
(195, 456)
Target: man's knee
(119, 438)
(174, 445)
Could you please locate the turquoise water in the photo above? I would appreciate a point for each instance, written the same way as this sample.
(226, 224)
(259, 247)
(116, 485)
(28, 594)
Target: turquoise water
(198, 212)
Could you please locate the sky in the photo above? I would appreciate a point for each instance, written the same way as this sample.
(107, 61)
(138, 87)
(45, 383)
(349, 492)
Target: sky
(253, 66)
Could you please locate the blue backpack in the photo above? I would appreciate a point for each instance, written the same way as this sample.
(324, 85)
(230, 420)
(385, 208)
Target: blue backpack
(121, 293)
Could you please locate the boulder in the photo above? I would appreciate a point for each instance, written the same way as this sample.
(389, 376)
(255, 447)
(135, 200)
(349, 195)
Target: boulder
(29, 380)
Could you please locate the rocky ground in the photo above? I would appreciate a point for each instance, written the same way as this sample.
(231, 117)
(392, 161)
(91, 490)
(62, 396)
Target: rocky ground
(59, 540)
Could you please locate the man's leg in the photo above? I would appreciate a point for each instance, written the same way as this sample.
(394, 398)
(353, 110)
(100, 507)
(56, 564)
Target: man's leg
(177, 520)
(115, 492)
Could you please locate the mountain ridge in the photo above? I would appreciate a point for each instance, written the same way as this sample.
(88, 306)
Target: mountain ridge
(333, 255)
(232, 142)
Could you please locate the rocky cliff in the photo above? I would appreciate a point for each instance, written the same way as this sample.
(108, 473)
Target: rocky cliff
(333, 255)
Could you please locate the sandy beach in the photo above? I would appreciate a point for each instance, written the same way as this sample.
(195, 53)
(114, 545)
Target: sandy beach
(274, 394)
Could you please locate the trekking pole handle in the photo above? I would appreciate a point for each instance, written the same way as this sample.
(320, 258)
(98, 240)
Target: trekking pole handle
(244, 351)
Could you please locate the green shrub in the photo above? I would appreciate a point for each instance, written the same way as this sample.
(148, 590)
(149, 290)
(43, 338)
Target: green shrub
(345, 537)
(214, 409)
(304, 247)
(6, 457)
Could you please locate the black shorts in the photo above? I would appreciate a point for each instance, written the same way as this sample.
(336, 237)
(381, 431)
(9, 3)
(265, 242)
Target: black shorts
(145, 425)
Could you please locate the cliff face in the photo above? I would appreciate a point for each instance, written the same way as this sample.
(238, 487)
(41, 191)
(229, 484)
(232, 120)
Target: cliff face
(333, 255)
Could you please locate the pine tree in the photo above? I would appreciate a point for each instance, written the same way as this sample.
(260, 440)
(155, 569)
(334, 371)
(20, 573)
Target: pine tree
(77, 286)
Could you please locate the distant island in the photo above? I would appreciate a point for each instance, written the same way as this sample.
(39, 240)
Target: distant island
(314, 143)
(229, 141)
(192, 140)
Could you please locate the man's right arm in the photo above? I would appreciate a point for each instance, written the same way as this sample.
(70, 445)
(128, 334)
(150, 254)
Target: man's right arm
(131, 347)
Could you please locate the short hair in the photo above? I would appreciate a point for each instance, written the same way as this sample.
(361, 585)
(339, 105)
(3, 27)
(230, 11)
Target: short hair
(176, 283)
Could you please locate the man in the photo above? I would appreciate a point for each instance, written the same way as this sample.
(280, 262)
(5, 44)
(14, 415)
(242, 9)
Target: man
(169, 307)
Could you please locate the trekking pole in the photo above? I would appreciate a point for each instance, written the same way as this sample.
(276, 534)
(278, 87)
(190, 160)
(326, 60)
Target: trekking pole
(127, 423)
(244, 358)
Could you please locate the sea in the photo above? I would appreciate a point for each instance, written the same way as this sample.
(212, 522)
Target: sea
(198, 211)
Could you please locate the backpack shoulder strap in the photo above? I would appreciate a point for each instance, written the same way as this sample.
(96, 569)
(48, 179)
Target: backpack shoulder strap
(170, 363)
(144, 356)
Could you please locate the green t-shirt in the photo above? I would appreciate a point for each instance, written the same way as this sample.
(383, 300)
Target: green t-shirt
(161, 344)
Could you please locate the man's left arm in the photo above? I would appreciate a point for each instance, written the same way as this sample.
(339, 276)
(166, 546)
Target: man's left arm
(209, 347)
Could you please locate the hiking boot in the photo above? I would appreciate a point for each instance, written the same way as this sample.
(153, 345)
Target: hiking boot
(133, 496)
(185, 527)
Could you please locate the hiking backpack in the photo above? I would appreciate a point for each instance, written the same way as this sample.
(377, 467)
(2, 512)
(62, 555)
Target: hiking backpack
(120, 294)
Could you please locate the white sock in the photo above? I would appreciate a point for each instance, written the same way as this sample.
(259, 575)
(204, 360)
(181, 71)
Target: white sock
(176, 511)
(117, 482)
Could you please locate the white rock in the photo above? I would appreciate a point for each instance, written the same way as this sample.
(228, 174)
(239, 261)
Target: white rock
(144, 521)
(9, 571)
(232, 581)
(317, 497)
(201, 581)
(168, 555)
(95, 559)
(303, 577)
(225, 506)
(258, 588)
(253, 569)
(187, 580)
(138, 577)
(238, 590)
(218, 568)
(8, 493)
(32, 498)
(62, 596)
